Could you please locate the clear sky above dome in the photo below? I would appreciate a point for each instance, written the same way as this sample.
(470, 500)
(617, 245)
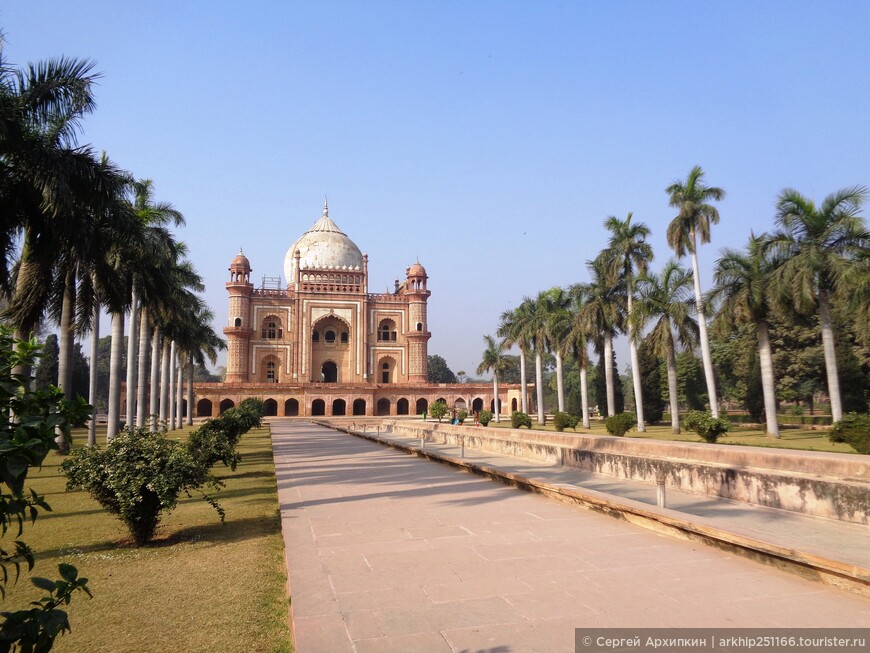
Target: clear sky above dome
(488, 139)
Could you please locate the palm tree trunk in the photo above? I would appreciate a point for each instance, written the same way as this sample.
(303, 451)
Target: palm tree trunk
(608, 374)
(179, 398)
(560, 386)
(672, 389)
(132, 350)
(164, 381)
(524, 382)
(635, 372)
(92, 380)
(154, 398)
(66, 336)
(142, 367)
(114, 425)
(829, 348)
(584, 393)
(768, 382)
(539, 385)
(170, 394)
(702, 333)
(65, 340)
(190, 393)
(495, 403)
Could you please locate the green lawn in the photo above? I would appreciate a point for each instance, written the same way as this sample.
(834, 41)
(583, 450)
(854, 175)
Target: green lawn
(792, 438)
(201, 586)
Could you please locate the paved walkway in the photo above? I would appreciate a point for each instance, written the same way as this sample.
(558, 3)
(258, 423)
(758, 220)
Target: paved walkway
(389, 552)
(834, 540)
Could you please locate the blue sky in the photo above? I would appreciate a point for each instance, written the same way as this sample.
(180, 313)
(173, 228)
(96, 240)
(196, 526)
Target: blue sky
(489, 139)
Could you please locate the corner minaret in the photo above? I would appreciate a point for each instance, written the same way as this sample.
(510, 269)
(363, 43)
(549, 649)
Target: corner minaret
(418, 330)
(239, 330)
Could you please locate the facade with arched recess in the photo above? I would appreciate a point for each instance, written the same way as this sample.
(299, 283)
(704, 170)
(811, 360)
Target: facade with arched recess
(324, 345)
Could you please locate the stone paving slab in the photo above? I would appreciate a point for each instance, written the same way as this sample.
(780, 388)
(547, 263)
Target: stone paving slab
(391, 553)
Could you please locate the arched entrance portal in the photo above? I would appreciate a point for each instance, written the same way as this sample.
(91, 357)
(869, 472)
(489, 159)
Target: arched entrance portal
(203, 408)
(359, 406)
(422, 406)
(477, 405)
(514, 405)
(329, 372)
(318, 407)
(291, 408)
(225, 405)
(383, 407)
(402, 406)
(270, 408)
(339, 406)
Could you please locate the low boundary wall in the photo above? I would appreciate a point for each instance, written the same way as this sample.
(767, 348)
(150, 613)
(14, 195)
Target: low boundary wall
(835, 486)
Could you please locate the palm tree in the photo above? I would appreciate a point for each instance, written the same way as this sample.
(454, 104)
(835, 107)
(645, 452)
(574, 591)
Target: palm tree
(493, 361)
(691, 224)
(742, 283)
(155, 257)
(602, 315)
(576, 340)
(200, 342)
(42, 172)
(510, 330)
(664, 298)
(536, 325)
(628, 255)
(817, 246)
(558, 303)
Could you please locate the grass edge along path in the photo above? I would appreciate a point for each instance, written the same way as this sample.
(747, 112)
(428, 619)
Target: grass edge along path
(200, 586)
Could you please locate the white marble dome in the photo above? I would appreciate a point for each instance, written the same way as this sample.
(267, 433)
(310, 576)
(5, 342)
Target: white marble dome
(323, 247)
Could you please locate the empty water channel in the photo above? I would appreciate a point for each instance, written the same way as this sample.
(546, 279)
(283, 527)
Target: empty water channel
(803, 511)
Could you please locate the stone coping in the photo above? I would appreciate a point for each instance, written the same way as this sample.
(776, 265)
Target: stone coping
(821, 463)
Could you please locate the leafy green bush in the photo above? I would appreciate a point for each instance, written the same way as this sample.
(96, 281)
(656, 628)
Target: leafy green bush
(520, 419)
(853, 429)
(438, 410)
(140, 475)
(463, 414)
(27, 433)
(620, 424)
(705, 425)
(485, 417)
(564, 421)
(216, 440)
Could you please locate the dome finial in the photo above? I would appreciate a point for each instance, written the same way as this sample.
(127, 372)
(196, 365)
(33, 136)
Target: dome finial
(325, 206)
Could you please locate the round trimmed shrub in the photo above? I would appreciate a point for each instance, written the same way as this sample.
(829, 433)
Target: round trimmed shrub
(620, 424)
(704, 424)
(484, 417)
(564, 421)
(520, 419)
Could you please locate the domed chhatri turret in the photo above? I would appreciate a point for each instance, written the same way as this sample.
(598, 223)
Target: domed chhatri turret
(323, 247)
(240, 268)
